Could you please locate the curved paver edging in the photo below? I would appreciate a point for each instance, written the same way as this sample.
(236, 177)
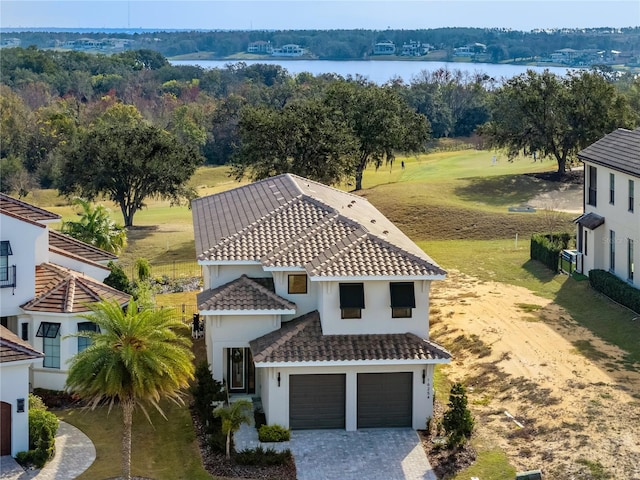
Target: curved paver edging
(75, 453)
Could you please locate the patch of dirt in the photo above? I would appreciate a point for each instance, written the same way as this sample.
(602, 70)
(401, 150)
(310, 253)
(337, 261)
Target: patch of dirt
(567, 197)
(525, 366)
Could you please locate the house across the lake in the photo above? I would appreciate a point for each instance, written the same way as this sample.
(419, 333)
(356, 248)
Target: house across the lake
(318, 304)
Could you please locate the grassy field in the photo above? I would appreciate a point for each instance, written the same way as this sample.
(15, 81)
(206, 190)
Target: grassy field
(163, 449)
(455, 206)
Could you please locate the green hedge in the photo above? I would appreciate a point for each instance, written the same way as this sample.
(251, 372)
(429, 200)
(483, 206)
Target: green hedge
(546, 248)
(274, 433)
(43, 426)
(616, 289)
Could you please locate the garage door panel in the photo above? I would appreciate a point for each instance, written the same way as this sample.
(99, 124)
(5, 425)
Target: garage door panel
(385, 400)
(317, 401)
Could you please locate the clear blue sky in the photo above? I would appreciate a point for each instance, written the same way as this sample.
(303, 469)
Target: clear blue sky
(319, 14)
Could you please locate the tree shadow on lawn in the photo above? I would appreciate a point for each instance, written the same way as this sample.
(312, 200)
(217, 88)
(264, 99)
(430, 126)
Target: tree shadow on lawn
(506, 190)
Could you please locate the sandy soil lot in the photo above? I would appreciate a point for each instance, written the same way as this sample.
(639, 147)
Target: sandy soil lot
(515, 351)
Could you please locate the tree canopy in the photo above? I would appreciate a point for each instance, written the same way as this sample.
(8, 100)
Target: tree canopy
(128, 160)
(135, 357)
(96, 227)
(554, 116)
(306, 138)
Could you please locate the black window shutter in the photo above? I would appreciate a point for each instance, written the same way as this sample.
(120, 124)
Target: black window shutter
(351, 295)
(402, 295)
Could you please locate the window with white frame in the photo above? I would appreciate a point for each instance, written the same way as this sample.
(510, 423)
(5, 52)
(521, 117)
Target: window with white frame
(5, 251)
(612, 189)
(351, 300)
(403, 299)
(631, 195)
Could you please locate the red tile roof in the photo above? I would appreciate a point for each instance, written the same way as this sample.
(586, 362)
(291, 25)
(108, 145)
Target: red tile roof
(242, 294)
(301, 340)
(60, 290)
(24, 209)
(13, 348)
(78, 248)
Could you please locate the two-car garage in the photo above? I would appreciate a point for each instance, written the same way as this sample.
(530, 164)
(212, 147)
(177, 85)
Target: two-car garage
(319, 400)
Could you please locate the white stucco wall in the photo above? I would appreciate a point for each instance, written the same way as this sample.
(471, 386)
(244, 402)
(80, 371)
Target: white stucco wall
(618, 218)
(30, 247)
(376, 316)
(92, 271)
(14, 384)
(217, 275)
(305, 302)
(276, 405)
(234, 331)
(54, 378)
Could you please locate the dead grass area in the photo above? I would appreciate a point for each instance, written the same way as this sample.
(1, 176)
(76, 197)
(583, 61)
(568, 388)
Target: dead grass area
(548, 392)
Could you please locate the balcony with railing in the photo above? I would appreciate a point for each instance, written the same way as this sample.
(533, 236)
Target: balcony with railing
(8, 277)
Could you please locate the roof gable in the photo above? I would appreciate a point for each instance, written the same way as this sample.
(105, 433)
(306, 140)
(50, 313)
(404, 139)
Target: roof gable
(242, 294)
(60, 290)
(620, 150)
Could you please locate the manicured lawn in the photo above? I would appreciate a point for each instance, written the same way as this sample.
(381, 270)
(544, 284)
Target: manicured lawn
(163, 450)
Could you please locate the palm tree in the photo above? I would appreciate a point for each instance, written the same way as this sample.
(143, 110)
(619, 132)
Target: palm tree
(233, 416)
(137, 358)
(96, 227)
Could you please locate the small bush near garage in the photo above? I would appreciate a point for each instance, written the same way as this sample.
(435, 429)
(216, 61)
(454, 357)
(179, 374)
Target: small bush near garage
(274, 433)
(263, 457)
(546, 248)
(616, 289)
(43, 426)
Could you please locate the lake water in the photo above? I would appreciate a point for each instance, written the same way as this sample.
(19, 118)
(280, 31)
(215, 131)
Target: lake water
(380, 71)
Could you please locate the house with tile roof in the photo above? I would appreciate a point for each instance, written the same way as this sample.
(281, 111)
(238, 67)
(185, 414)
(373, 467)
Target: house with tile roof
(16, 358)
(46, 279)
(318, 304)
(608, 232)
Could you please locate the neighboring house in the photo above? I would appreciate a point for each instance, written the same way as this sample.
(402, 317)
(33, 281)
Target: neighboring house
(260, 47)
(46, 278)
(290, 50)
(318, 304)
(16, 357)
(384, 48)
(608, 235)
(470, 50)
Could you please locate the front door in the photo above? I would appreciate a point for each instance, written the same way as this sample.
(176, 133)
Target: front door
(5, 428)
(241, 370)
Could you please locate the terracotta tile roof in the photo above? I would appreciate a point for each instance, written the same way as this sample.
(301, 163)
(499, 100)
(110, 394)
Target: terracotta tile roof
(67, 254)
(60, 290)
(620, 150)
(24, 209)
(78, 248)
(242, 294)
(301, 340)
(13, 348)
(288, 221)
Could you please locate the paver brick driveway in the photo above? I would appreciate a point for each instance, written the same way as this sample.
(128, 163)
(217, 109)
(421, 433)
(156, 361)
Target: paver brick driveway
(370, 454)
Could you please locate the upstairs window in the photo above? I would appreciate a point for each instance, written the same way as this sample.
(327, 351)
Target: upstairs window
(5, 251)
(631, 195)
(85, 342)
(612, 189)
(592, 193)
(297, 283)
(351, 299)
(403, 299)
(50, 334)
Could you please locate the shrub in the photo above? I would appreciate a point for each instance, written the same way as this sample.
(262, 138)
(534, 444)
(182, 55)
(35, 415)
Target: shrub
(143, 269)
(616, 289)
(36, 403)
(205, 391)
(262, 457)
(274, 433)
(43, 426)
(118, 279)
(546, 248)
(458, 422)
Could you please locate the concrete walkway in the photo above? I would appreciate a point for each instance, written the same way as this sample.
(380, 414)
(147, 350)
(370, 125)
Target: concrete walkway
(374, 454)
(74, 454)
